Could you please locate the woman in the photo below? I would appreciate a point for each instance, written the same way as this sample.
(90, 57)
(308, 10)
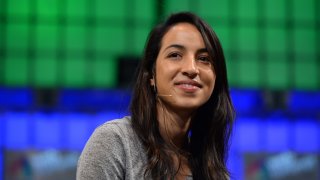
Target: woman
(181, 111)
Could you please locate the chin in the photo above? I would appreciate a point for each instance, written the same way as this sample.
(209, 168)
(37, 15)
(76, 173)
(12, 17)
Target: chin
(189, 105)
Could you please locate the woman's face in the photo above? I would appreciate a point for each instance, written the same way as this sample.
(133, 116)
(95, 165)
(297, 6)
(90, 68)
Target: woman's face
(184, 72)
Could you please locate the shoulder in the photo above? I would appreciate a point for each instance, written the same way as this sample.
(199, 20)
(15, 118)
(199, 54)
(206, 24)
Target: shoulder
(115, 131)
(111, 134)
(105, 152)
(116, 126)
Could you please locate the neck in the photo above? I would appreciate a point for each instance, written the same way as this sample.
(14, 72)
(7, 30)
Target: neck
(173, 125)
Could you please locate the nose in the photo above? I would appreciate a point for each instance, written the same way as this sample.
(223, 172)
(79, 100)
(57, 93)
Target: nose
(190, 68)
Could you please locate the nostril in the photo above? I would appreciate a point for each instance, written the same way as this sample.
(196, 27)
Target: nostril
(191, 74)
(190, 68)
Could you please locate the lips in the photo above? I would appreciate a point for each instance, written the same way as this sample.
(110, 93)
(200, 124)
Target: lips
(188, 85)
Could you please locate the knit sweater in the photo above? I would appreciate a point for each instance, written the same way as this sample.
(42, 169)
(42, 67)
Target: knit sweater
(113, 151)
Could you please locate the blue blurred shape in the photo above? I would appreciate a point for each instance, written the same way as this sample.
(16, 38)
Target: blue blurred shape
(277, 134)
(306, 136)
(304, 102)
(248, 135)
(247, 101)
(235, 164)
(105, 116)
(2, 135)
(16, 98)
(17, 130)
(94, 99)
(1, 166)
(47, 130)
(2, 130)
(77, 128)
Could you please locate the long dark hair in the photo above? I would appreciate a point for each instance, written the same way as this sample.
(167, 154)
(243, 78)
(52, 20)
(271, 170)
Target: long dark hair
(211, 125)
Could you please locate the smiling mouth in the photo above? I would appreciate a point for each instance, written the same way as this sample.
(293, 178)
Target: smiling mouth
(188, 86)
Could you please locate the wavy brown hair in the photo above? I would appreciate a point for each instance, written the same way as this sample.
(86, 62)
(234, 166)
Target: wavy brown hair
(211, 125)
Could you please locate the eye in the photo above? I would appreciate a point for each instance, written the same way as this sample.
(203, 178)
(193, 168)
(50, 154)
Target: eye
(204, 59)
(174, 55)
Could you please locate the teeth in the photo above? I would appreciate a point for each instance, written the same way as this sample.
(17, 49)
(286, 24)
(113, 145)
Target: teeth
(188, 85)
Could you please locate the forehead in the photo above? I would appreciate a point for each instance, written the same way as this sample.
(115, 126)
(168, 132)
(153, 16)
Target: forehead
(183, 34)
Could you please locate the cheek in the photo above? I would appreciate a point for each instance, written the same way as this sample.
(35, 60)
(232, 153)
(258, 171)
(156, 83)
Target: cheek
(212, 83)
(165, 70)
(214, 79)
(161, 74)
(209, 78)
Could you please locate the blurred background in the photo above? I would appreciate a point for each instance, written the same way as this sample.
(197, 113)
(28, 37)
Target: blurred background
(66, 66)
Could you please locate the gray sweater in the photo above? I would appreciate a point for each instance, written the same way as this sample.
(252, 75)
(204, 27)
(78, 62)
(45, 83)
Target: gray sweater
(113, 152)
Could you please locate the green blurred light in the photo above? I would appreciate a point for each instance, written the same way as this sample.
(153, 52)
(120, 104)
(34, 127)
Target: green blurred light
(46, 37)
(277, 73)
(276, 40)
(110, 9)
(76, 37)
(77, 43)
(140, 37)
(306, 74)
(305, 40)
(104, 72)
(248, 38)
(77, 8)
(304, 10)
(223, 32)
(247, 9)
(47, 8)
(144, 10)
(46, 72)
(75, 72)
(109, 38)
(275, 10)
(16, 72)
(19, 7)
(249, 74)
(17, 36)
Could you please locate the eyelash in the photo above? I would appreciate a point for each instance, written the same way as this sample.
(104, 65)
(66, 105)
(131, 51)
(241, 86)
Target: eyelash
(174, 55)
(207, 58)
(202, 58)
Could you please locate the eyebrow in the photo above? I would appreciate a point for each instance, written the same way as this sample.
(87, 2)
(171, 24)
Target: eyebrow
(178, 46)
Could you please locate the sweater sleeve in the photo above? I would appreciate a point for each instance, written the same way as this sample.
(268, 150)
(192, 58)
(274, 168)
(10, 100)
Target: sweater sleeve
(103, 156)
